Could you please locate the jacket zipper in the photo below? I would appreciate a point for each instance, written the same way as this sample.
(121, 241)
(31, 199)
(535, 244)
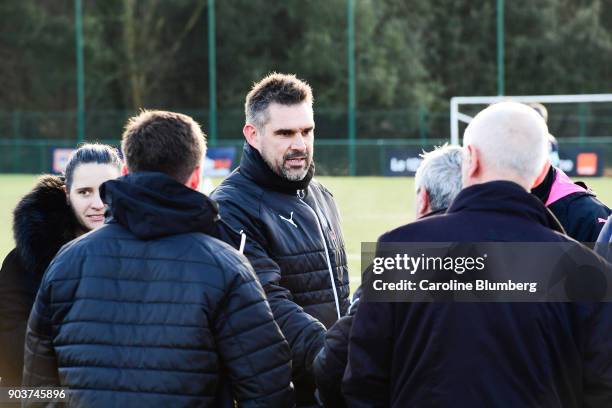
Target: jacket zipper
(329, 267)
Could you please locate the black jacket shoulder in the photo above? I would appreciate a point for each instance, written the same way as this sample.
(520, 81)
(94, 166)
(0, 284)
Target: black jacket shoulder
(582, 215)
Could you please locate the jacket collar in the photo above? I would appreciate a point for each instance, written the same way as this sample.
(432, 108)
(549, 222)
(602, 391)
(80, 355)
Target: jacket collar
(152, 205)
(563, 186)
(253, 166)
(441, 211)
(504, 197)
(542, 191)
(557, 185)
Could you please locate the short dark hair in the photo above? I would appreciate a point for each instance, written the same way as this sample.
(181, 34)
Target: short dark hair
(283, 89)
(166, 142)
(90, 153)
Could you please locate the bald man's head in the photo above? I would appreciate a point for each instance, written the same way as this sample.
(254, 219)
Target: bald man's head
(506, 141)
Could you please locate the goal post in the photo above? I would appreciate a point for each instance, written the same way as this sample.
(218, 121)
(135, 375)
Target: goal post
(456, 102)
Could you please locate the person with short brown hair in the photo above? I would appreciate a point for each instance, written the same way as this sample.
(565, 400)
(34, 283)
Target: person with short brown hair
(152, 309)
(294, 240)
(166, 142)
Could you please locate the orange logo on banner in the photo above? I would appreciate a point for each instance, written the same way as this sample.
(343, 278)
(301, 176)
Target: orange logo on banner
(586, 164)
(223, 164)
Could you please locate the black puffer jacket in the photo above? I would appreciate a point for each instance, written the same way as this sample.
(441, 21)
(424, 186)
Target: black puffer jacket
(295, 246)
(330, 363)
(42, 223)
(574, 205)
(150, 310)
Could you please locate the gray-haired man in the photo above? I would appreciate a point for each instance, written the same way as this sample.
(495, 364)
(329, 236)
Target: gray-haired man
(438, 180)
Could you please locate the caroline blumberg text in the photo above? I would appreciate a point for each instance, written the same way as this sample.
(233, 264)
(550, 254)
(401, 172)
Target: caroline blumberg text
(453, 285)
(459, 265)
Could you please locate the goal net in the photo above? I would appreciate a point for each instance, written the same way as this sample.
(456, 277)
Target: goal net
(582, 125)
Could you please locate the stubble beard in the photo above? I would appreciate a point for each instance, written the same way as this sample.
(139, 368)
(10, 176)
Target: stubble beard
(289, 174)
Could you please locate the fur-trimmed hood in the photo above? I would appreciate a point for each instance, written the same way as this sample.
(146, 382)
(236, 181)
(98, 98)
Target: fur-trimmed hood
(42, 223)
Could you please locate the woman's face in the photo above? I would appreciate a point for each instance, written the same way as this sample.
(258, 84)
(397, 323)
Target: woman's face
(84, 194)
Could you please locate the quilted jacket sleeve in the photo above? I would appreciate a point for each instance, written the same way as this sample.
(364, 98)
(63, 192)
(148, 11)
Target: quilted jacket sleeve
(331, 361)
(330, 364)
(251, 346)
(40, 362)
(304, 333)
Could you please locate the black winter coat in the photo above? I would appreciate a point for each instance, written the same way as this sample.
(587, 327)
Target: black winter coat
(481, 354)
(295, 245)
(576, 207)
(151, 311)
(330, 363)
(42, 223)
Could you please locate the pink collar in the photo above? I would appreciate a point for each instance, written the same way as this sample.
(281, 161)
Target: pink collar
(562, 187)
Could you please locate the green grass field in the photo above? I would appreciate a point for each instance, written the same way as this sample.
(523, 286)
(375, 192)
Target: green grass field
(369, 206)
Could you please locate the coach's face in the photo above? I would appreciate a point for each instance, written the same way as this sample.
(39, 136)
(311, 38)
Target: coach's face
(286, 140)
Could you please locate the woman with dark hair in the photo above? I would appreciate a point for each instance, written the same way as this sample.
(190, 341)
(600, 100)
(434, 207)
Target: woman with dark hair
(56, 211)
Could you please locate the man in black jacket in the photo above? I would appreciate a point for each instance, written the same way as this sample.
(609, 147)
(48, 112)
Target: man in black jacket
(294, 241)
(448, 354)
(437, 181)
(151, 309)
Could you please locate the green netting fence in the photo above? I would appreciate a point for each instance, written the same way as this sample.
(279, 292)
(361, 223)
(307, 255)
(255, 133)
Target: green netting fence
(331, 155)
(27, 138)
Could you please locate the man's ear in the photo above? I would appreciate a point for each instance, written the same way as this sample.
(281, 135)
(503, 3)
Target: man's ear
(423, 207)
(124, 170)
(474, 161)
(542, 175)
(195, 178)
(250, 134)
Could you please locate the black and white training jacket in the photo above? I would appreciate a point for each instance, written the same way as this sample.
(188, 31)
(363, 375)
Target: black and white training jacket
(295, 245)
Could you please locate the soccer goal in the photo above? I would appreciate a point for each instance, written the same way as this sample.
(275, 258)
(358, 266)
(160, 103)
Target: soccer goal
(459, 102)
